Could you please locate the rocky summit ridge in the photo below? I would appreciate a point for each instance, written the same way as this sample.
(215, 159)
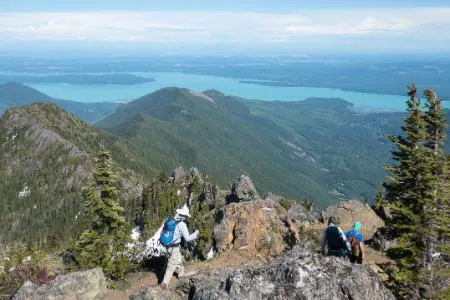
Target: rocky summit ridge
(285, 261)
(297, 274)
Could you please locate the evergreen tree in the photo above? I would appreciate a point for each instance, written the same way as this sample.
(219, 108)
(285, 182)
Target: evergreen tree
(417, 193)
(436, 214)
(441, 266)
(408, 189)
(103, 244)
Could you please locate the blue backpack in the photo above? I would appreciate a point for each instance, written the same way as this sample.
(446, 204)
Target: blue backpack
(167, 232)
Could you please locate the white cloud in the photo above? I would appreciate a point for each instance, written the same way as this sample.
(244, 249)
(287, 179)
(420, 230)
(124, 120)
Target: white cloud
(211, 27)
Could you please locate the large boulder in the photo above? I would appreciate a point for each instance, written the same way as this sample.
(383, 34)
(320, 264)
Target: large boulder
(298, 274)
(156, 293)
(350, 211)
(243, 190)
(303, 214)
(82, 285)
(383, 239)
(257, 227)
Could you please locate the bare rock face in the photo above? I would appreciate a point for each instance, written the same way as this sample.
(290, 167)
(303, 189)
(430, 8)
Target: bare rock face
(298, 274)
(383, 240)
(243, 190)
(82, 285)
(303, 214)
(350, 211)
(257, 227)
(155, 293)
(179, 174)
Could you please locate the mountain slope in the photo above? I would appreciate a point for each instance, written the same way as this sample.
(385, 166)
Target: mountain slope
(15, 94)
(297, 149)
(46, 156)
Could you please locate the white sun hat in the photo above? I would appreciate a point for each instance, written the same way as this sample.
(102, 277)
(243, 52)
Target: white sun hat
(184, 211)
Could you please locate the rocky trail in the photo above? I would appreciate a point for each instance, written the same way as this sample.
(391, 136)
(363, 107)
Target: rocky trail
(296, 274)
(138, 282)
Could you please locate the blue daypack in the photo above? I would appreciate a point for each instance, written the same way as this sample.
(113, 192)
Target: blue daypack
(167, 232)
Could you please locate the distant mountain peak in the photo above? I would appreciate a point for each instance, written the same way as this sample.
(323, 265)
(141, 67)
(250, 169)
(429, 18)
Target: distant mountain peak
(20, 93)
(213, 93)
(13, 84)
(203, 96)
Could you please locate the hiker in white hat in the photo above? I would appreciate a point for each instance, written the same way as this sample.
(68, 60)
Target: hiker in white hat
(175, 229)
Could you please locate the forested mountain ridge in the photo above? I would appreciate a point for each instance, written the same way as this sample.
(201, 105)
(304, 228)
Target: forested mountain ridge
(47, 155)
(15, 94)
(319, 148)
(216, 133)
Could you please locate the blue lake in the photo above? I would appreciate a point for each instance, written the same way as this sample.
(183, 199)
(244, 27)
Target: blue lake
(230, 86)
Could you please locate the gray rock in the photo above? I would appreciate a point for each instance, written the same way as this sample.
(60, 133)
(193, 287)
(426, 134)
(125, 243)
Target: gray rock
(298, 274)
(386, 213)
(243, 190)
(302, 214)
(82, 285)
(179, 174)
(382, 240)
(350, 211)
(155, 293)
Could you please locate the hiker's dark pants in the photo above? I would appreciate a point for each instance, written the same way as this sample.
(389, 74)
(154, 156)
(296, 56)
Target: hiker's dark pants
(338, 253)
(355, 259)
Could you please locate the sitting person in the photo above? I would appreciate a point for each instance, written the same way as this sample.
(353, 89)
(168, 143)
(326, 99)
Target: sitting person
(334, 240)
(356, 241)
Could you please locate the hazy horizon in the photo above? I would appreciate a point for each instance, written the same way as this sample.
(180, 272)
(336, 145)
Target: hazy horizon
(116, 28)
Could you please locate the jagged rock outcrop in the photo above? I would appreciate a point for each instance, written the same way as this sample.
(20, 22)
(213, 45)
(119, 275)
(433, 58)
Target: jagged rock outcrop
(179, 174)
(298, 274)
(382, 240)
(303, 214)
(243, 190)
(82, 285)
(258, 227)
(349, 211)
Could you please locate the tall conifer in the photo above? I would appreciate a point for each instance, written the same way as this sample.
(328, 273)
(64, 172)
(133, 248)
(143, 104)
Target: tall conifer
(407, 188)
(417, 192)
(103, 244)
(436, 212)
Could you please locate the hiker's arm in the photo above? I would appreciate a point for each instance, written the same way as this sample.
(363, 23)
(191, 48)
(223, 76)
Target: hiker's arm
(324, 242)
(361, 246)
(185, 233)
(343, 237)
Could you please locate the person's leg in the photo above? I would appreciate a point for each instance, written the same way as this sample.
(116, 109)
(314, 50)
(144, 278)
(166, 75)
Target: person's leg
(333, 253)
(352, 259)
(359, 260)
(179, 268)
(171, 266)
(343, 254)
(175, 263)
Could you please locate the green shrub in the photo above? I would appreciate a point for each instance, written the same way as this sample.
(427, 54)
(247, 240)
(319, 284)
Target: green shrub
(287, 203)
(21, 264)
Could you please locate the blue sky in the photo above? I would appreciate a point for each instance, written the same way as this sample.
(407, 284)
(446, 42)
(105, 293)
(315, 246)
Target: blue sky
(225, 27)
(236, 5)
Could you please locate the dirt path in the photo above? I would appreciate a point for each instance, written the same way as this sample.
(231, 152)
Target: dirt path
(139, 281)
